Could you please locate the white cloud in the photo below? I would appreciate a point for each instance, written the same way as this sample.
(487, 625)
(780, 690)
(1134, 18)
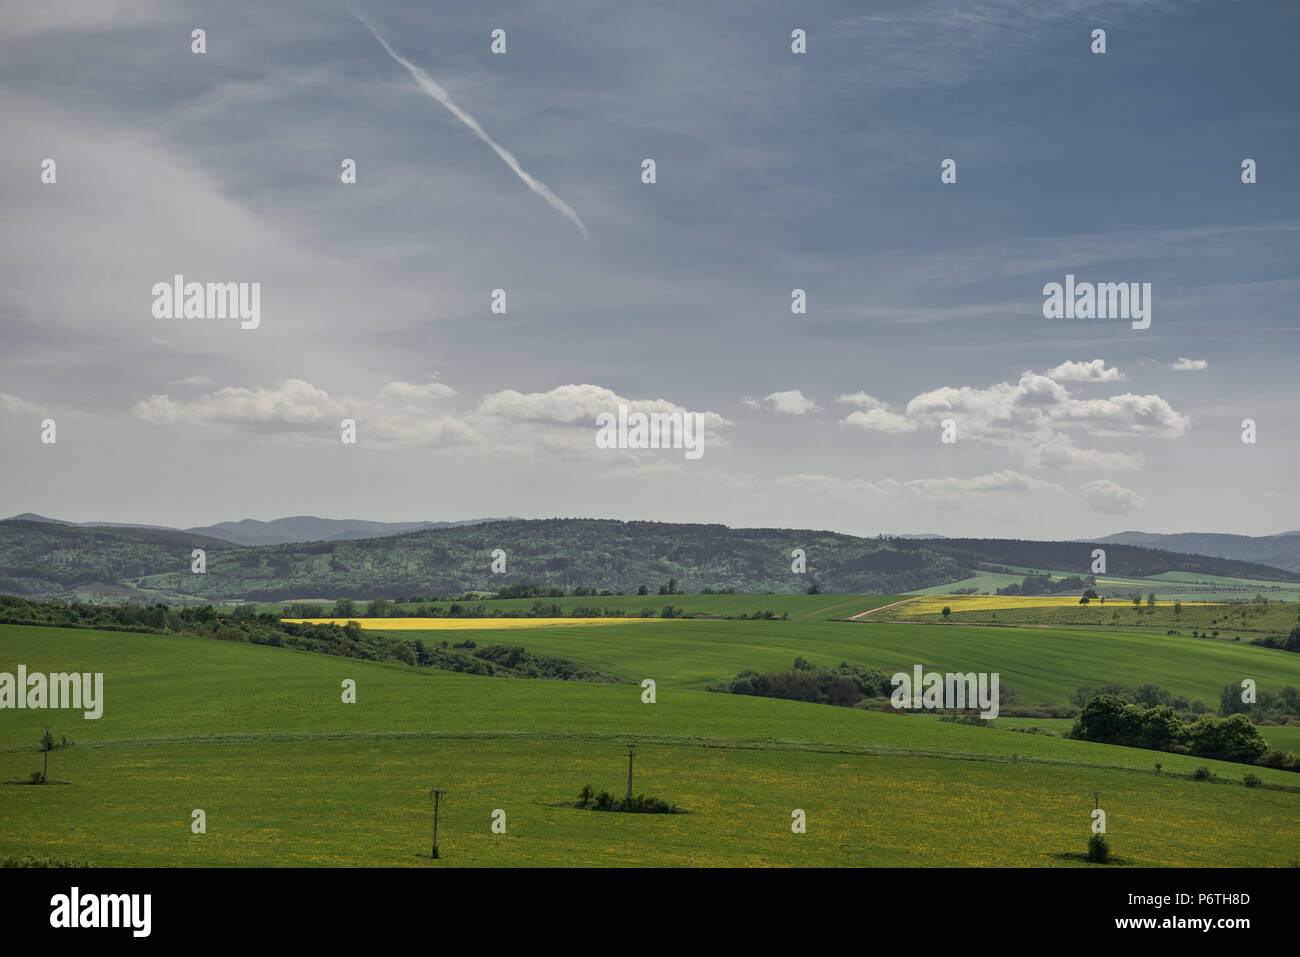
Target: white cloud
(1093, 371)
(194, 380)
(1036, 418)
(880, 420)
(405, 414)
(863, 401)
(1105, 496)
(1189, 365)
(792, 402)
(293, 406)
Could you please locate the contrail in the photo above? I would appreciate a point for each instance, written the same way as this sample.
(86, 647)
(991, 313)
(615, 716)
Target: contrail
(430, 86)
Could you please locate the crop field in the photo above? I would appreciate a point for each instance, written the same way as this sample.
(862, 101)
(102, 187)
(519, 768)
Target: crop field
(288, 774)
(1167, 586)
(935, 604)
(1243, 620)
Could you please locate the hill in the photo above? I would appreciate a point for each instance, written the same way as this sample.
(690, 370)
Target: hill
(45, 560)
(1280, 551)
(280, 531)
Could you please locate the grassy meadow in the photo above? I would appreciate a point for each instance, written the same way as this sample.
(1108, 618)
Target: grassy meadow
(288, 774)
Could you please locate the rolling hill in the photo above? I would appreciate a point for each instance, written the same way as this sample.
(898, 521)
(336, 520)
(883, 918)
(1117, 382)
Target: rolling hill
(1280, 551)
(65, 561)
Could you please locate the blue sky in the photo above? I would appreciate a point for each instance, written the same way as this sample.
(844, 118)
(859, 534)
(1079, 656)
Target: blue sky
(775, 172)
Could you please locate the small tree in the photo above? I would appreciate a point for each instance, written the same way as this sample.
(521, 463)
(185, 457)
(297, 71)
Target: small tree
(1098, 849)
(1151, 600)
(946, 612)
(1178, 608)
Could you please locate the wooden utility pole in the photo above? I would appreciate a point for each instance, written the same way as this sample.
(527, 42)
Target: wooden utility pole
(437, 797)
(47, 742)
(1096, 799)
(631, 752)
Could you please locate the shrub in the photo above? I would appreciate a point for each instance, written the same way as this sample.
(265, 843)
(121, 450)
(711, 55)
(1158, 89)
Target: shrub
(1202, 774)
(1098, 849)
(1251, 780)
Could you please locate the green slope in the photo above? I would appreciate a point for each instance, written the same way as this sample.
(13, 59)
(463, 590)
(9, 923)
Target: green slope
(258, 738)
(1046, 665)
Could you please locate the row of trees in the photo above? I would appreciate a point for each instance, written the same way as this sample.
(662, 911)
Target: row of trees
(1111, 720)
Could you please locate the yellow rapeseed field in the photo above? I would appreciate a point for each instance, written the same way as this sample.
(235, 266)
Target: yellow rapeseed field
(467, 624)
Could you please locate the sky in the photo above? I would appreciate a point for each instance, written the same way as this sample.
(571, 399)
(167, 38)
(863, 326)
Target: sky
(522, 171)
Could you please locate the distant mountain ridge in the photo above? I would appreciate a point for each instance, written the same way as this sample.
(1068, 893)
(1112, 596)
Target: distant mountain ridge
(280, 531)
(1280, 551)
(57, 560)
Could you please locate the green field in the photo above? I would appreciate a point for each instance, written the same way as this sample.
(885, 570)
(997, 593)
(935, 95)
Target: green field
(258, 738)
(1046, 665)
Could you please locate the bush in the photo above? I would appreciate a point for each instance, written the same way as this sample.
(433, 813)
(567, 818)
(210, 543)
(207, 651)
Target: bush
(1251, 780)
(1202, 774)
(1098, 849)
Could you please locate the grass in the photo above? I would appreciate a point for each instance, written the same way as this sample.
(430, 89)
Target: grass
(1046, 665)
(259, 739)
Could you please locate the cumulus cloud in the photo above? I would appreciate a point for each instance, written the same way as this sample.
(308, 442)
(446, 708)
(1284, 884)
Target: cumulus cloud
(863, 401)
(1092, 371)
(1036, 418)
(294, 405)
(1189, 365)
(1104, 495)
(792, 402)
(406, 414)
(880, 420)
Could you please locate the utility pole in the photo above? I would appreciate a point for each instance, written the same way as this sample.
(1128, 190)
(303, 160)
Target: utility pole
(1096, 799)
(631, 752)
(46, 743)
(437, 797)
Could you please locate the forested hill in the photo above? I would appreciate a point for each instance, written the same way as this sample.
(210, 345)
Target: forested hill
(62, 561)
